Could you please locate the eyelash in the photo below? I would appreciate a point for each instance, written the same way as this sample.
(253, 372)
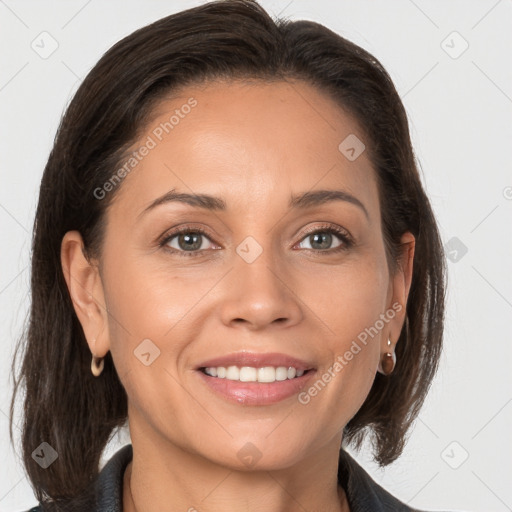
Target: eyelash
(345, 238)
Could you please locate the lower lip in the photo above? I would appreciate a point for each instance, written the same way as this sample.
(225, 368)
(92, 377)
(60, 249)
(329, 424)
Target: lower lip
(256, 393)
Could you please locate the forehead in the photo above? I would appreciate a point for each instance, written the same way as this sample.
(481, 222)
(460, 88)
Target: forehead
(248, 142)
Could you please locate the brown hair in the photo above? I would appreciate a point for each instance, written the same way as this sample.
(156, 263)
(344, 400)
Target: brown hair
(65, 405)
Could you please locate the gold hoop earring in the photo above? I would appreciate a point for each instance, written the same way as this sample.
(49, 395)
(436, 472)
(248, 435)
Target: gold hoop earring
(387, 361)
(97, 365)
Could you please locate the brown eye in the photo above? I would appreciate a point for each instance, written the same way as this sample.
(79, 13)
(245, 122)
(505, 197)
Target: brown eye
(188, 241)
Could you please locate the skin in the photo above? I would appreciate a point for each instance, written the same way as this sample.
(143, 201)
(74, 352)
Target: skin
(253, 144)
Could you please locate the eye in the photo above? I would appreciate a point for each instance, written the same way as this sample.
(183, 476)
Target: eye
(186, 241)
(321, 239)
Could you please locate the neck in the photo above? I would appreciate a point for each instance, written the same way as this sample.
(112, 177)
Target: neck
(227, 490)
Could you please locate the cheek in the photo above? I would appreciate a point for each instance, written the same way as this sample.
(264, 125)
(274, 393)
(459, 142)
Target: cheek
(149, 330)
(146, 299)
(142, 306)
(346, 299)
(350, 305)
(359, 317)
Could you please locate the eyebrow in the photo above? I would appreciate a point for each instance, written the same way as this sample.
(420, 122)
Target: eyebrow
(319, 197)
(212, 203)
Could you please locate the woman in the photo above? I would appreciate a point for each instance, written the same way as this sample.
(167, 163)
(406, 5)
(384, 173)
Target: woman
(234, 254)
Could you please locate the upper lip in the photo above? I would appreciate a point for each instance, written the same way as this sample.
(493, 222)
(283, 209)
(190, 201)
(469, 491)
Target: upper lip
(256, 360)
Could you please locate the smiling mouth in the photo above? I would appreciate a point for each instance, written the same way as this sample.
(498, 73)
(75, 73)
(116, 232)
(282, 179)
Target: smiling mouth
(266, 374)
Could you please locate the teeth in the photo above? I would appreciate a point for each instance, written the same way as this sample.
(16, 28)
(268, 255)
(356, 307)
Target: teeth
(248, 374)
(281, 373)
(266, 374)
(233, 373)
(251, 374)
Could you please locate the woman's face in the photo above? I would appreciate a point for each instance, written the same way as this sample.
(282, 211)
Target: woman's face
(257, 282)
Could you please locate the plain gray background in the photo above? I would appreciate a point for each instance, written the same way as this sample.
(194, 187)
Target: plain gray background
(451, 64)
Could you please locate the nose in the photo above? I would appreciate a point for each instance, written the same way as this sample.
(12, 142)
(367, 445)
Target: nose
(259, 295)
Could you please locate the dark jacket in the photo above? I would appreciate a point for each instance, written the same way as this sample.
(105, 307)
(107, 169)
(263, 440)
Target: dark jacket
(363, 494)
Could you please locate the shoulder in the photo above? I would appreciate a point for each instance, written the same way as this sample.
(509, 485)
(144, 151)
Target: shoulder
(363, 493)
(105, 492)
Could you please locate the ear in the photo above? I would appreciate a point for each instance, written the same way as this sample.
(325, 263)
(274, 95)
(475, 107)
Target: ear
(86, 291)
(401, 283)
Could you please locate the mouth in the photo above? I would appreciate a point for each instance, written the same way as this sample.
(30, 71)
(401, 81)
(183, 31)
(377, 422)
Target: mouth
(251, 378)
(255, 385)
